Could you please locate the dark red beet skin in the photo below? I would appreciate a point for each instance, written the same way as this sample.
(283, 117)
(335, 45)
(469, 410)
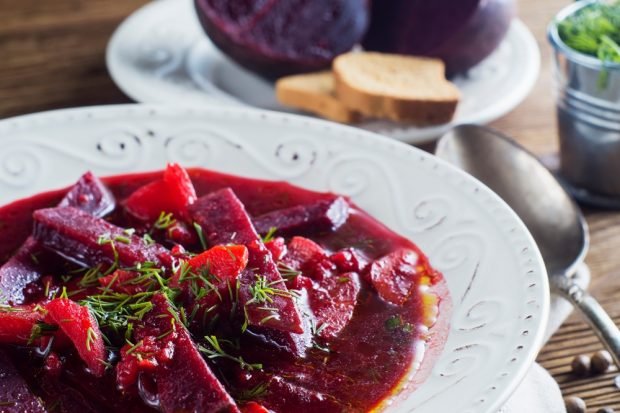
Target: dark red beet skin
(280, 37)
(461, 33)
(324, 215)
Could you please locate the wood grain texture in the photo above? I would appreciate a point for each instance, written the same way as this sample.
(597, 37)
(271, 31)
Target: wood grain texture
(52, 56)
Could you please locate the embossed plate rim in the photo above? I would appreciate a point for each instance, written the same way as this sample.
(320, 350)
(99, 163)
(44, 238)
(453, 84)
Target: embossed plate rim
(329, 146)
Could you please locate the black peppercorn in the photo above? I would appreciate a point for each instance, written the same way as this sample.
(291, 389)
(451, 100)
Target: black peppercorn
(581, 365)
(575, 405)
(600, 362)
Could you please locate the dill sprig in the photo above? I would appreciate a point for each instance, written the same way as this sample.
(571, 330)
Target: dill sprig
(594, 30)
(147, 239)
(264, 291)
(91, 336)
(201, 235)
(105, 239)
(201, 281)
(287, 272)
(216, 351)
(258, 391)
(270, 235)
(317, 329)
(584, 30)
(5, 308)
(91, 277)
(165, 221)
(115, 310)
(41, 329)
(396, 323)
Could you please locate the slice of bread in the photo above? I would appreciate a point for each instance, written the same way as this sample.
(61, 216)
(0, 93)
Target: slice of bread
(400, 88)
(314, 92)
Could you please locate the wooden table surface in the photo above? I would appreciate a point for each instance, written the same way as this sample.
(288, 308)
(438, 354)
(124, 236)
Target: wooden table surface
(52, 56)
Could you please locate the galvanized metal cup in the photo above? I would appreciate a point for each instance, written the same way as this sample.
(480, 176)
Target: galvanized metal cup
(588, 112)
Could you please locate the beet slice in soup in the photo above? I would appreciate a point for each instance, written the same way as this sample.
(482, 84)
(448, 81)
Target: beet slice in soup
(324, 215)
(91, 196)
(89, 241)
(14, 391)
(224, 220)
(186, 383)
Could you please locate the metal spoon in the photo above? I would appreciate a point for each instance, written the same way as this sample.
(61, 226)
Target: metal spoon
(554, 220)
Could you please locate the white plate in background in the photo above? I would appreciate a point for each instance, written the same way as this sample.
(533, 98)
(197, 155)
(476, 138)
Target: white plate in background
(160, 54)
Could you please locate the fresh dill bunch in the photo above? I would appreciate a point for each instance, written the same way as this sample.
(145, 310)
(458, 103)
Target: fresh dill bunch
(594, 30)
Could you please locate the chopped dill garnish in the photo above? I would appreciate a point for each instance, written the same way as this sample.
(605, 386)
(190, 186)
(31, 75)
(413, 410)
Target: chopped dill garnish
(147, 239)
(91, 277)
(316, 330)
(34, 258)
(91, 336)
(64, 294)
(200, 281)
(5, 308)
(319, 347)
(165, 221)
(396, 322)
(270, 235)
(595, 31)
(133, 347)
(269, 317)
(287, 272)
(129, 331)
(104, 239)
(216, 351)
(201, 235)
(46, 292)
(41, 329)
(263, 291)
(122, 239)
(116, 311)
(254, 393)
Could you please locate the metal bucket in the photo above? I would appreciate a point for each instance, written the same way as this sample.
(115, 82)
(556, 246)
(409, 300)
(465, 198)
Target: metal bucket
(588, 113)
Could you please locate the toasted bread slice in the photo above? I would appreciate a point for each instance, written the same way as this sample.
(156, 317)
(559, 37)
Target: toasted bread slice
(314, 92)
(400, 88)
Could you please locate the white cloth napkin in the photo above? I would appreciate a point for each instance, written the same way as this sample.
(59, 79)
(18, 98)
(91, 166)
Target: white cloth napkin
(539, 393)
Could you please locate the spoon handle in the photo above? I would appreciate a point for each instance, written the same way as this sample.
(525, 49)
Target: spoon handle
(595, 315)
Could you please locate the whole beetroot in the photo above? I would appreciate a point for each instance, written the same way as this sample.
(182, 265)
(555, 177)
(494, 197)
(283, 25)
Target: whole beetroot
(275, 38)
(461, 33)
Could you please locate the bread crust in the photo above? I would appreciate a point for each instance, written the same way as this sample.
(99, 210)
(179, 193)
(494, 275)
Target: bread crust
(316, 100)
(417, 110)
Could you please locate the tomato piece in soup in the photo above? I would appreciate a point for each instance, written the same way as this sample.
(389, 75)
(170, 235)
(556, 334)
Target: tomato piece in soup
(82, 329)
(173, 193)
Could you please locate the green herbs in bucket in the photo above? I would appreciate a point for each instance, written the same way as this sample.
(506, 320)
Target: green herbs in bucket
(594, 30)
